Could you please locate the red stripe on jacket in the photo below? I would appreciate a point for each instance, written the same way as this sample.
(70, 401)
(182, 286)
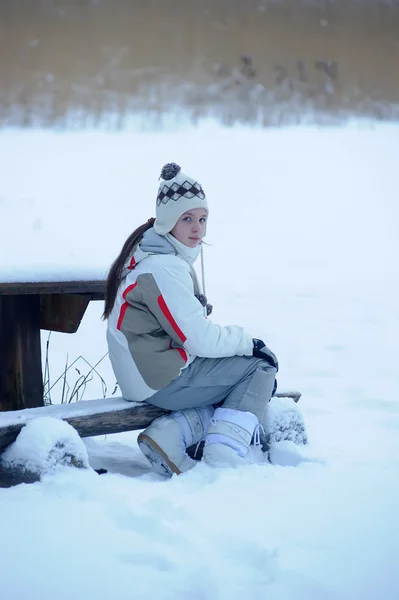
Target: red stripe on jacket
(168, 315)
(132, 263)
(181, 351)
(124, 305)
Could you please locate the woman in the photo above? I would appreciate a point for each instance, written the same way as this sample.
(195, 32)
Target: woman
(165, 351)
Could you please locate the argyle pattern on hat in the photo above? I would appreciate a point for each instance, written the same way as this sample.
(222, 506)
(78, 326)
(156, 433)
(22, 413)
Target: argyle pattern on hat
(176, 190)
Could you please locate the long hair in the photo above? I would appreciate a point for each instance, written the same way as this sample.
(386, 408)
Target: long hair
(114, 278)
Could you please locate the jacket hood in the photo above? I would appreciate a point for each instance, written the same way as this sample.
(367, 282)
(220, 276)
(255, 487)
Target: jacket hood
(153, 243)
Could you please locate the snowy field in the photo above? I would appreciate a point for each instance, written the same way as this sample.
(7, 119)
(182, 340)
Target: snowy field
(303, 251)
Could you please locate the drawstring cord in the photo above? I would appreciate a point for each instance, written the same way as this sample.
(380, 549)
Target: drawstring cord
(197, 292)
(203, 271)
(203, 299)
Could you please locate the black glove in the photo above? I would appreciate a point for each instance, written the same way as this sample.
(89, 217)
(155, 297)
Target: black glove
(260, 350)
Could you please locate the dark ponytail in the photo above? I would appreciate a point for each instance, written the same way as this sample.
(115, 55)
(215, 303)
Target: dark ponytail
(114, 278)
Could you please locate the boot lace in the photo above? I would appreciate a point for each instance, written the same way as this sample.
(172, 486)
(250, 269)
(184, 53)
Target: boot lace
(257, 434)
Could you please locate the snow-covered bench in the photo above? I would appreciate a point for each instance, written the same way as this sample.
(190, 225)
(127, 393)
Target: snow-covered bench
(115, 415)
(92, 417)
(88, 417)
(28, 307)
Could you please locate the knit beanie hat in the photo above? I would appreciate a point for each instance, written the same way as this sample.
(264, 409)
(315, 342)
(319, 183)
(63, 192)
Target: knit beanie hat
(177, 193)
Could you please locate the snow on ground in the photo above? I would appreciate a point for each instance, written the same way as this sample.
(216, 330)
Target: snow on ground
(303, 253)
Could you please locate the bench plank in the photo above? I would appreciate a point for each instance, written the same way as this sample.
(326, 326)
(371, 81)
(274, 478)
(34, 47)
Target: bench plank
(94, 287)
(88, 417)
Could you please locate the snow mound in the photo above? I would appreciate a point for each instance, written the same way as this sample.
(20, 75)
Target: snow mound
(288, 454)
(284, 422)
(43, 445)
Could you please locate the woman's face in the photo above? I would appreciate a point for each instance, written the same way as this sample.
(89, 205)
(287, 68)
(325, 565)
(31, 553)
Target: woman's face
(191, 227)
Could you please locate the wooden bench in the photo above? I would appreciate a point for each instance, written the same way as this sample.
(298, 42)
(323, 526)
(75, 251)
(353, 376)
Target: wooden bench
(25, 309)
(88, 417)
(101, 417)
(92, 417)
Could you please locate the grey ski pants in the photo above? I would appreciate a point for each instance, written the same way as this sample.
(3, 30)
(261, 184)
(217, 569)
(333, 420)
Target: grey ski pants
(239, 382)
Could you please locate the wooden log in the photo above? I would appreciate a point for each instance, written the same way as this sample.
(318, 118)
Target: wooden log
(26, 462)
(92, 417)
(88, 417)
(295, 396)
(14, 476)
(21, 383)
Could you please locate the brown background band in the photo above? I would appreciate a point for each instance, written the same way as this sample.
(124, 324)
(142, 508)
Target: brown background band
(238, 59)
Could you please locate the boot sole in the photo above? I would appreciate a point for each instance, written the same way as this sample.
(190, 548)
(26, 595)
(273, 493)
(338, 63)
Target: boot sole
(157, 457)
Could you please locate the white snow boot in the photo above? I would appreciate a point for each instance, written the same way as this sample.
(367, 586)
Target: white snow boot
(165, 441)
(229, 437)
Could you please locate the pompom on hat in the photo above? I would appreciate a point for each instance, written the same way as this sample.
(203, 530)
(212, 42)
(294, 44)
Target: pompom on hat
(177, 193)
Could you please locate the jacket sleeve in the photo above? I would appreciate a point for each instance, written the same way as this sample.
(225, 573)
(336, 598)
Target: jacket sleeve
(170, 297)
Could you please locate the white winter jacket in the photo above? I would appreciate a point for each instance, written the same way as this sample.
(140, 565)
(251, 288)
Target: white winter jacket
(157, 326)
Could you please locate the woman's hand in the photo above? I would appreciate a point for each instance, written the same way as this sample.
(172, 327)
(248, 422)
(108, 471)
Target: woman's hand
(260, 350)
